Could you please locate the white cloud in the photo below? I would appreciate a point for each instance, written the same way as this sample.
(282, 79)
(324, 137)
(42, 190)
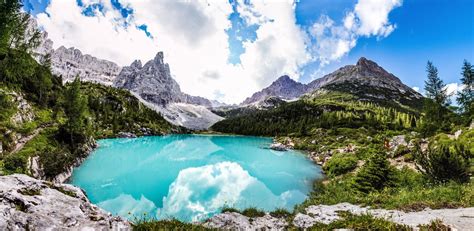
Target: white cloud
(453, 88)
(372, 17)
(368, 18)
(193, 36)
(100, 36)
(417, 89)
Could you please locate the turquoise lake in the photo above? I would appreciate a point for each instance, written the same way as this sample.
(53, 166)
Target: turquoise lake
(192, 177)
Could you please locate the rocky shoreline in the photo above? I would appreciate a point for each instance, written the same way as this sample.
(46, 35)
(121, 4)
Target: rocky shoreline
(457, 219)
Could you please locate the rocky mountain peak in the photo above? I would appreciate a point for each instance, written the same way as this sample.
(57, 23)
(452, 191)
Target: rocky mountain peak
(153, 82)
(364, 62)
(136, 64)
(284, 87)
(159, 58)
(365, 74)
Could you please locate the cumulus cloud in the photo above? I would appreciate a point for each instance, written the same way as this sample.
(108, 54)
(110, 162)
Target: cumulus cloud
(193, 36)
(454, 88)
(331, 40)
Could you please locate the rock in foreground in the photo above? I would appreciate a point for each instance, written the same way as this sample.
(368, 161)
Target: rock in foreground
(27, 203)
(236, 221)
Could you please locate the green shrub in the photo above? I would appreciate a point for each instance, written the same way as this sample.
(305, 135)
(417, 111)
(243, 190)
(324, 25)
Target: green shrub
(230, 210)
(444, 162)
(253, 212)
(401, 150)
(375, 175)
(280, 213)
(15, 163)
(408, 157)
(435, 225)
(340, 164)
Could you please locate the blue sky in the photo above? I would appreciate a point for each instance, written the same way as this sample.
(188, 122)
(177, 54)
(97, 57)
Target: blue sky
(411, 33)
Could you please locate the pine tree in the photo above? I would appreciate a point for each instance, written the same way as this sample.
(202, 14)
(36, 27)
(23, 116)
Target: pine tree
(434, 86)
(465, 98)
(437, 115)
(75, 109)
(374, 175)
(14, 28)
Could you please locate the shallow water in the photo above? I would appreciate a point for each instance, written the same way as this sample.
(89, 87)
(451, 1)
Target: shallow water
(192, 177)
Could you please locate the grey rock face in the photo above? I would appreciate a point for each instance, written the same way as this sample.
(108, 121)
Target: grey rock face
(152, 84)
(236, 221)
(27, 203)
(70, 63)
(24, 112)
(366, 74)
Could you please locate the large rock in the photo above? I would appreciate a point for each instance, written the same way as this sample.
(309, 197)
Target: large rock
(237, 221)
(454, 218)
(27, 203)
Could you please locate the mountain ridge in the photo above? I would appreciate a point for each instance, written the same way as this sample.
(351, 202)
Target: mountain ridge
(364, 73)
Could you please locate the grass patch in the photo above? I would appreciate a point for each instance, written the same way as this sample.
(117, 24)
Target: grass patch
(411, 193)
(155, 225)
(360, 222)
(230, 210)
(340, 164)
(253, 212)
(280, 213)
(436, 225)
(61, 189)
(29, 191)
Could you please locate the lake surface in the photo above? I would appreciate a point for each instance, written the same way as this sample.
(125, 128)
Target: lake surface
(192, 177)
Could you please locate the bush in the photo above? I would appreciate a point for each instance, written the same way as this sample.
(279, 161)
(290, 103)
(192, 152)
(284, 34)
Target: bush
(280, 213)
(435, 225)
(444, 162)
(340, 164)
(55, 161)
(15, 163)
(253, 212)
(401, 150)
(408, 157)
(375, 175)
(230, 210)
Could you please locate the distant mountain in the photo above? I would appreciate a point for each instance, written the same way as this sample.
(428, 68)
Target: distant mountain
(70, 62)
(284, 88)
(153, 83)
(367, 80)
